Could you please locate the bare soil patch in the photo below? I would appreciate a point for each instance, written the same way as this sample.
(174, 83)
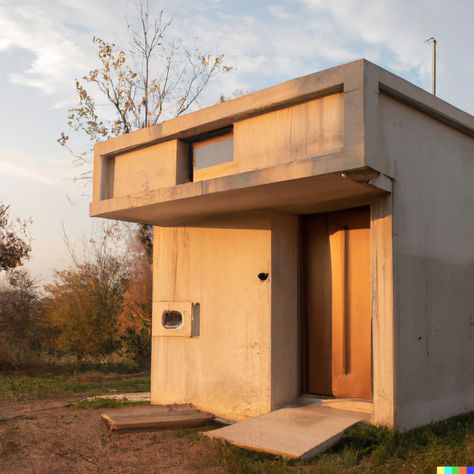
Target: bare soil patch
(49, 436)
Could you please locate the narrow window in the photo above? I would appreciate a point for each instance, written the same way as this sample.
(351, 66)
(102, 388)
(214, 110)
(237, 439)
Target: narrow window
(212, 150)
(172, 319)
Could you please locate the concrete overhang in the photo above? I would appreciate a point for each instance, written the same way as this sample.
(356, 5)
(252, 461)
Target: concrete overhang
(312, 181)
(297, 193)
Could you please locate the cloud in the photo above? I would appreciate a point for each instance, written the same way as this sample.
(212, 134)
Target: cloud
(15, 163)
(278, 11)
(21, 172)
(264, 44)
(57, 35)
(398, 30)
(26, 27)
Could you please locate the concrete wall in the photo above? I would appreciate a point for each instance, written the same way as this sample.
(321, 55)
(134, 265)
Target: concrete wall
(285, 347)
(299, 132)
(147, 169)
(231, 366)
(433, 226)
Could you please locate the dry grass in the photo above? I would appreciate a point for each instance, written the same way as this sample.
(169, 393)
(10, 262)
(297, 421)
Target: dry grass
(24, 387)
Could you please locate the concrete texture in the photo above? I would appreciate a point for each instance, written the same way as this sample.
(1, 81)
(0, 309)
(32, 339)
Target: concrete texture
(226, 368)
(350, 404)
(433, 209)
(350, 136)
(284, 355)
(301, 128)
(245, 360)
(144, 170)
(315, 185)
(152, 418)
(293, 432)
(302, 131)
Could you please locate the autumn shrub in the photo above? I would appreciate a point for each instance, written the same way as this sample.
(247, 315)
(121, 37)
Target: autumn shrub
(135, 317)
(82, 308)
(22, 326)
(83, 303)
(101, 305)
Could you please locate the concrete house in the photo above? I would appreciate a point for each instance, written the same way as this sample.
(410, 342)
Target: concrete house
(313, 238)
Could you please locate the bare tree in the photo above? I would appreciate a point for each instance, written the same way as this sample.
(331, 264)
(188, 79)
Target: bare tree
(156, 78)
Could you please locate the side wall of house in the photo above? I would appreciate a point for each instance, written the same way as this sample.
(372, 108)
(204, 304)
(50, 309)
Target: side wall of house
(225, 366)
(433, 227)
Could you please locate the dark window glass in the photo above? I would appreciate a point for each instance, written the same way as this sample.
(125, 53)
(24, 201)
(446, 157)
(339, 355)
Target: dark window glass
(172, 319)
(213, 151)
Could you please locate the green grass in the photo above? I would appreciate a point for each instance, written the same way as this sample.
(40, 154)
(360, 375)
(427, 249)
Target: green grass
(67, 365)
(23, 387)
(99, 402)
(369, 449)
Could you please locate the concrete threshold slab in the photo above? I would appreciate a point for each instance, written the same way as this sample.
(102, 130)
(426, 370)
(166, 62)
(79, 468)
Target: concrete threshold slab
(155, 417)
(294, 432)
(350, 404)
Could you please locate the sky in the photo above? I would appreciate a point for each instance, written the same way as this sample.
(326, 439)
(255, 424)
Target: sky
(46, 44)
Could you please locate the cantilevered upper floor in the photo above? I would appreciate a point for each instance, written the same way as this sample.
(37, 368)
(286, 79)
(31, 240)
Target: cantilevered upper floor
(311, 144)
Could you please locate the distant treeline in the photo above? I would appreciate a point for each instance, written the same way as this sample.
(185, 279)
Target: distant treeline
(98, 310)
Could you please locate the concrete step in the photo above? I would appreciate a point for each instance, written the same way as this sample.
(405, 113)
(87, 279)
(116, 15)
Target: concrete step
(155, 417)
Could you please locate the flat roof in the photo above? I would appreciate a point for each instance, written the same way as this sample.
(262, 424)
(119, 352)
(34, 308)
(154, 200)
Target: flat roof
(301, 89)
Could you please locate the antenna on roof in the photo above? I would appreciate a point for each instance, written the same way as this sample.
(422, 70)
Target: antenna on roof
(432, 40)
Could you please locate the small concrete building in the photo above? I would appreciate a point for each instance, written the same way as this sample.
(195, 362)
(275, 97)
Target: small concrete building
(313, 238)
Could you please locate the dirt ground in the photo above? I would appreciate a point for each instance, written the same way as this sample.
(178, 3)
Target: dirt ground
(47, 436)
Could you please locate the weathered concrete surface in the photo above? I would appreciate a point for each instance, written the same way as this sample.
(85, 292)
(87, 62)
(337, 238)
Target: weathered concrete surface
(350, 404)
(433, 228)
(226, 369)
(243, 359)
(294, 432)
(302, 131)
(155, 418)
(284, 352)
(300, 187)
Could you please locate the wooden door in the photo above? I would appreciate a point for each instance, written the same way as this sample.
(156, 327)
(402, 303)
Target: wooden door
(337, 303)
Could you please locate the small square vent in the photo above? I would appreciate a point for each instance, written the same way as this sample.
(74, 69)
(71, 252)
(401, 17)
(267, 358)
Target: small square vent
(171, 319)
(175, 318)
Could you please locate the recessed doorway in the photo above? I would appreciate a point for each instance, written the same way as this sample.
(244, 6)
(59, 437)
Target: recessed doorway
(336, 282)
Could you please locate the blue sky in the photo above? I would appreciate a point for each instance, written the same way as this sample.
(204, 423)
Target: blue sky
(46, 44)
